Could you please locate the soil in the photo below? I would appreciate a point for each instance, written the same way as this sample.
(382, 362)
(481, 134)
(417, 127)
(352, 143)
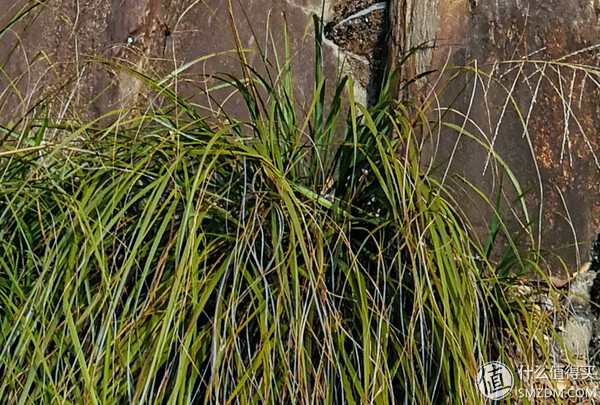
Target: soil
(361, 36)
(364, 36)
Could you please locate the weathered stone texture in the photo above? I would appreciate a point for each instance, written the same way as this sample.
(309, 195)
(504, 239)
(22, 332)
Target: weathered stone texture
(533, 102)
(533, 51)
(51, 49)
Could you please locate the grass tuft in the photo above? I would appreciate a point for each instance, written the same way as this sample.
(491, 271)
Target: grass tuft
(169, 257)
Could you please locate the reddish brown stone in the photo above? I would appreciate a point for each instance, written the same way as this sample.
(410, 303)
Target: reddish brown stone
(524, 46)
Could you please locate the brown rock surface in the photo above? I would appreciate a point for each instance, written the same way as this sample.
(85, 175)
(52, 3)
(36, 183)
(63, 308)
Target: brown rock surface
(51, 49)
(556, 160)
(532, 101)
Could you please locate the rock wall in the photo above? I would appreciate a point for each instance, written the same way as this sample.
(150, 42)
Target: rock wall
(531, 93)
(525, 92)
(51, 49)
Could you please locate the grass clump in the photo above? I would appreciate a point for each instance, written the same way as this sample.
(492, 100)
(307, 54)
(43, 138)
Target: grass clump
(168, 257)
